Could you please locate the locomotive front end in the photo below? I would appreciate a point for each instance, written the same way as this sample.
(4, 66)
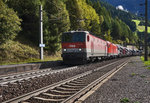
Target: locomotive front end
(74, 47)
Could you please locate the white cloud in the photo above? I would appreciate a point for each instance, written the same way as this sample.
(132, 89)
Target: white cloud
(120, 7)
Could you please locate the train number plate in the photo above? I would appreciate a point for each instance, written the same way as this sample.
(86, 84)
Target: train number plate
(72, 50)
(73, 46)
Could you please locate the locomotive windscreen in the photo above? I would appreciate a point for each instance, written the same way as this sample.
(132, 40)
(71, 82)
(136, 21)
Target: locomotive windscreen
(73, 37)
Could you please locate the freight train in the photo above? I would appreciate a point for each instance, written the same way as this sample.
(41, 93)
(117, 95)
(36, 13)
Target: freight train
(78, 47)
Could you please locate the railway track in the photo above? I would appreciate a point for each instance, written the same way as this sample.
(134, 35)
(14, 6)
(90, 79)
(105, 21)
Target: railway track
(29, 75)
(69, 90)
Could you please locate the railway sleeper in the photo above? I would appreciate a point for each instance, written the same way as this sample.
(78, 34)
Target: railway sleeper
(66, 89)
(60, 92)
(53, 95)
(81, 78)
(65, 92)
(75, 84)
(50, 100)
(69, 86)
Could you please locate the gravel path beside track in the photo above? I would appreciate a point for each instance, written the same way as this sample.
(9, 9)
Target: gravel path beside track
(129, 85)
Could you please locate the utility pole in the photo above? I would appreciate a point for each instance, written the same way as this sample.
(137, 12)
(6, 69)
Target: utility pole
(146, 35)
(41, 45)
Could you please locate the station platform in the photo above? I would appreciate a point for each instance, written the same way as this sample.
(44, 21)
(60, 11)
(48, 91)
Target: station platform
(11, 69)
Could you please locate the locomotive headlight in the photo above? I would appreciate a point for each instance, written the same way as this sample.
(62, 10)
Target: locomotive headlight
(80, 49)
(65, 49)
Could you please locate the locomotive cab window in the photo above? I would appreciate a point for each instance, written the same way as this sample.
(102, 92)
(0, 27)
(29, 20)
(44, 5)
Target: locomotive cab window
(108, 45)
(73, 37)
(88, 38)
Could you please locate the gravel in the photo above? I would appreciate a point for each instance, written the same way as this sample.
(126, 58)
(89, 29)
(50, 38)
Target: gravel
(129, 85)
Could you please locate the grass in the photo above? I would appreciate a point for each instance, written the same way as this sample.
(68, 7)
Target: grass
(133, 74)
(140, 28)
(137, 22)
(142, 58)
(124, 100)
(146, 63)
(20, 62)
(55, 57)
(32, 60)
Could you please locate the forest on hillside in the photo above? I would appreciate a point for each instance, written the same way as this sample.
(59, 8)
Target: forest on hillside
(19, 21)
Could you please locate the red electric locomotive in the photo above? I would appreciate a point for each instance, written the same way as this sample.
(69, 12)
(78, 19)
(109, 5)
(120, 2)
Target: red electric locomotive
(112, 50)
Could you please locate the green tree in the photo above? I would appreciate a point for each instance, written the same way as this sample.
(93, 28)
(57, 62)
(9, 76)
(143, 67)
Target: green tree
(107, 24)
(28, 11)
(104, 16)
(9, 23)
(75, 14)
(116, 30)
(95, 28)
(57, 23)
(89, 2)
(107, 36)
(82, 15)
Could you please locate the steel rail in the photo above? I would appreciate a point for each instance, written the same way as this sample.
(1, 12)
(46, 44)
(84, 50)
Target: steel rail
(26, 76)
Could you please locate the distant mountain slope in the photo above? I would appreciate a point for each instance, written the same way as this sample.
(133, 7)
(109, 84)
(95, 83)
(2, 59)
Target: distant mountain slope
(121, 14)
(124, 16)
(131, 5)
